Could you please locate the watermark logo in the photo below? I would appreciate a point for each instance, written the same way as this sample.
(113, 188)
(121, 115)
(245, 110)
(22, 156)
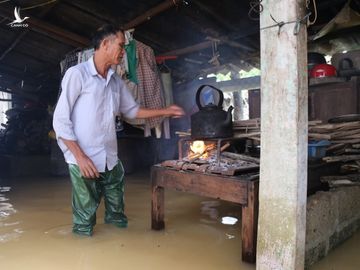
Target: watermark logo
(18, 22)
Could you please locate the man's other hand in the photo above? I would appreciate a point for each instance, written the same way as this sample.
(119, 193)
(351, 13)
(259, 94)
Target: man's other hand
(87, 167)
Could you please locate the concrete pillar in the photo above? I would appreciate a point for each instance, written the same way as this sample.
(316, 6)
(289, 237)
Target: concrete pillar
(238, 106)
(283, 172)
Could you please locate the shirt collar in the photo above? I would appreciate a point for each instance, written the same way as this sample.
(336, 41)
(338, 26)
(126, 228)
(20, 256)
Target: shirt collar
(94, 72)
(92, 67)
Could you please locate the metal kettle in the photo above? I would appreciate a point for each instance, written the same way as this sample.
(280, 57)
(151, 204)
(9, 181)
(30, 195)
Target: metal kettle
(211, 121)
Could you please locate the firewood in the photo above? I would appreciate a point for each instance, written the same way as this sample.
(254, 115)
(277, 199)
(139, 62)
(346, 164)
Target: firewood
(341, 180)
(340, 134)
(202, 168)
(346, 141)
(351, 150)
(177, 164)
(342, 183)
(339, 125)
(319, 136)
(341, 158)
(350, 167)
(339, 152)
(190, 166)
(255, 138)
(250, 122)
(335, 147)
(246, 135)
(182, 133)
(241, 157)
(225, 146)
(314, 122)
(353, 177)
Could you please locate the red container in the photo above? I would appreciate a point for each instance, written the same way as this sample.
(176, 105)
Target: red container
(323, 70)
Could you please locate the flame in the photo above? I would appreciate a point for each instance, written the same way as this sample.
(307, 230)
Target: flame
(200, 149)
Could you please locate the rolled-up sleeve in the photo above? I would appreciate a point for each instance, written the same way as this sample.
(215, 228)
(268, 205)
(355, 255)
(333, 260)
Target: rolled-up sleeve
(71, 88)
(128, 106)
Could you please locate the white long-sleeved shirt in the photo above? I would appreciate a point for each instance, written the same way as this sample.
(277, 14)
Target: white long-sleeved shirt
(86, 112)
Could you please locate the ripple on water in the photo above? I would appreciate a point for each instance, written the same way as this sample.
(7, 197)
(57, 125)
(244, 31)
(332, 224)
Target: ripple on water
(59, 231)
(11, 235)
(6, 208)
(209, 208)
(5, 189)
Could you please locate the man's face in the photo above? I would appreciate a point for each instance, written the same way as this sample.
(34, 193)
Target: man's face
(115, 48)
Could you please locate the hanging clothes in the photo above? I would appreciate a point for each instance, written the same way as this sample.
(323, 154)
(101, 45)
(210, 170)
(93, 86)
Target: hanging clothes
(165, 75)
(71, 59)
(149, 79)
(148, 91)
(85, 55)
(130, 49)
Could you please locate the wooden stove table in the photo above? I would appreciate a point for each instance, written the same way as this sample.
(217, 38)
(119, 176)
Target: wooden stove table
(239, 189)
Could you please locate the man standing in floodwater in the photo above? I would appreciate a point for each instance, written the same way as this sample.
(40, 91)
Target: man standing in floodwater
(84, 122)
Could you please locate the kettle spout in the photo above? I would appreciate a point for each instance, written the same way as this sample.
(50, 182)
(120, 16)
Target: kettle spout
(229, 116)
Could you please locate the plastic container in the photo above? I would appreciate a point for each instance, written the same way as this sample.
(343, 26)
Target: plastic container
(323, 70)
(317, 149)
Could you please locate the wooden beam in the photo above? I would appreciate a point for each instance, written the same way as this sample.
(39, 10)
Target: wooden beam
(76, 40)
(15, 91)
(95, 9)
(51, 30)
(191, 49)
(14, 72)
(147, 15)
(204, 45)
(13, 44)
(22, 34)
(215, 15)
(13, 76)
(59, 33)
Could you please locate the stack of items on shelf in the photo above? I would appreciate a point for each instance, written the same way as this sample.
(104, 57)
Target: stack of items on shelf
(247, 129)
(345, 147)
(331, 142)
(344, 137)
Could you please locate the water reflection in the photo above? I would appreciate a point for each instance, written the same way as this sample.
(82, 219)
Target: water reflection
(209, 208)
(7, 230)
(229, 220)
(6, 208)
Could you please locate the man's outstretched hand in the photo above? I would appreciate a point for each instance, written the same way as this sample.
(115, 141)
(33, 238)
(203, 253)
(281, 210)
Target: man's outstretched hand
(175, 111)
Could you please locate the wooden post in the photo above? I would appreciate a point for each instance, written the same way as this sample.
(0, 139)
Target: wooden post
(157, 208)
(157, 203)
(249, 219)
(284, 109)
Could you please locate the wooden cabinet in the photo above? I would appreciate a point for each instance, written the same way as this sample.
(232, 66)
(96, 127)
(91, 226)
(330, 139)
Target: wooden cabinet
(333, 99)
(326, 100)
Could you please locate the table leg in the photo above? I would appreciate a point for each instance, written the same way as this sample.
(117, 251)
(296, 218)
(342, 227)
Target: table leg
(249, 221)
(157, 208)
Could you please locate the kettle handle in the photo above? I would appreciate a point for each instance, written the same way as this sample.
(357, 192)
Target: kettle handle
(221, 95)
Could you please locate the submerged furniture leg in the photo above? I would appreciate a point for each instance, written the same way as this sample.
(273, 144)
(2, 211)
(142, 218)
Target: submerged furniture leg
(157, 208)
(249, 221)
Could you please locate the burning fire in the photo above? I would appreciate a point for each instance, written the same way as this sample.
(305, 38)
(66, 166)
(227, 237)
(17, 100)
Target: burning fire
(200, 149)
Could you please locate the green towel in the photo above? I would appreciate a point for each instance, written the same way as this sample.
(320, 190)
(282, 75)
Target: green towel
(132, 61)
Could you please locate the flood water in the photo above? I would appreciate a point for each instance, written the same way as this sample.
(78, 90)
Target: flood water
(35, 232)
